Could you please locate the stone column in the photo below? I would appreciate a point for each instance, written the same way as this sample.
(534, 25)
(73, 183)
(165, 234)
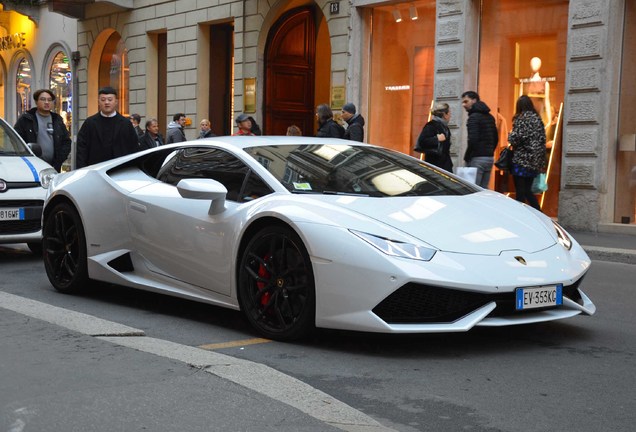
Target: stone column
(456, 63)
(595, 29)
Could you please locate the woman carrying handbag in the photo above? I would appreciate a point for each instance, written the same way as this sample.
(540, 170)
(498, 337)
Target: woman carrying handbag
(435, 139)
(528, 142)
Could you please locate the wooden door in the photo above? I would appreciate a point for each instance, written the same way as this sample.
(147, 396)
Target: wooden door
(221, 78)
(289, 73)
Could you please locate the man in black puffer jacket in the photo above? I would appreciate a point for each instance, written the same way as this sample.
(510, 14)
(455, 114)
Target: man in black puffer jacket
(355, 122)
(482, 137)
(42, 126)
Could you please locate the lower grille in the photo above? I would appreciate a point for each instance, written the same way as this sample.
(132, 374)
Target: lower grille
(420, 304)
(20, 227)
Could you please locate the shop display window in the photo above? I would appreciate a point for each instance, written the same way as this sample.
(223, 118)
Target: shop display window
(402, 66)
(114, 70)
(523, 51)
(625, 199)
(2, 79)
(60, 78)
(23, 86)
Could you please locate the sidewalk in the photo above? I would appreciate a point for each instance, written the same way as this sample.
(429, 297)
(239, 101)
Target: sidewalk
(607, 246)
(67, 371)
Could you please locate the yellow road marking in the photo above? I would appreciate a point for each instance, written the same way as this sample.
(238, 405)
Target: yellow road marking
(233, 344)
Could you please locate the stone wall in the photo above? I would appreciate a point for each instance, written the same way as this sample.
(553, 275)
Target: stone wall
(180, 20)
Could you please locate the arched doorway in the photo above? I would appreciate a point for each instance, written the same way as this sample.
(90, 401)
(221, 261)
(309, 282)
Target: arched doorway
(108, 66)
(290, 58)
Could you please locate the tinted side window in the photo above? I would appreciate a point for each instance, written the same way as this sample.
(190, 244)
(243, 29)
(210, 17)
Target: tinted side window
(206, 163)
(255, 187)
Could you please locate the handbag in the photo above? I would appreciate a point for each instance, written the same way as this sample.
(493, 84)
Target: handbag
(540, 184)
(467, 173)
(435, 150)
(504, 162)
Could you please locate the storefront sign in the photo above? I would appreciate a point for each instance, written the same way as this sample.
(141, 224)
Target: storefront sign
(249, 95)
(337, 97)
(16, 40)
(397, 87)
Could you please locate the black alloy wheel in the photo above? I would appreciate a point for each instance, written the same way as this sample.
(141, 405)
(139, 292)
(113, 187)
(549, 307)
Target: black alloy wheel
(276, 285)
(64, 249)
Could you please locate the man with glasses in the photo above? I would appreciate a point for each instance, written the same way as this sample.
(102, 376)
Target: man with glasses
(42, 126)
(175, 132)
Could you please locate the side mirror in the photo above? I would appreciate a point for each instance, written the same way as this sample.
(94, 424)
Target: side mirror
(36, 149)
(205, 189)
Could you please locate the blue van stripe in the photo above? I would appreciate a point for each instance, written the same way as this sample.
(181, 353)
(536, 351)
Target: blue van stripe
(32, 168)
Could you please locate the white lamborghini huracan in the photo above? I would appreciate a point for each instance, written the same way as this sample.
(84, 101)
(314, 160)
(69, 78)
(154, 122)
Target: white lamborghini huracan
(307, 232)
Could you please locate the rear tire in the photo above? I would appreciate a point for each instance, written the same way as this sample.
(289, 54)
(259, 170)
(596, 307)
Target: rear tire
(64, 249)
(276, 288)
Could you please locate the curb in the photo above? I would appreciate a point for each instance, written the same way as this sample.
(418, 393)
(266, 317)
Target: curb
(597, 253)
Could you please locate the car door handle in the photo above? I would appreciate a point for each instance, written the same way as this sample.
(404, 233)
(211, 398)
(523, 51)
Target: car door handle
(136, 206)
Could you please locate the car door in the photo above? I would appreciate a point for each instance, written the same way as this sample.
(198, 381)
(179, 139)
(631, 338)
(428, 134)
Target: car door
(176, 236)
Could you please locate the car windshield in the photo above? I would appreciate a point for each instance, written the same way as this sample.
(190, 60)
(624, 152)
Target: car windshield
(10, 143)
(355, 170)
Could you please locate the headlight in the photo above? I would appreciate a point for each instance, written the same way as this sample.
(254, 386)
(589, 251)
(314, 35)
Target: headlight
(564, 238)
(397, 248)
(46, 175)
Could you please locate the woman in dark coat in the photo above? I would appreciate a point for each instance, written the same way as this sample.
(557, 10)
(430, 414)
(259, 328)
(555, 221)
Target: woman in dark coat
(435, 139)
(327, 126)
(528, 142)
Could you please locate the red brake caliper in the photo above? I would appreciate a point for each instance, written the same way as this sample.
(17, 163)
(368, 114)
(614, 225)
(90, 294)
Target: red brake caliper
(264, 274)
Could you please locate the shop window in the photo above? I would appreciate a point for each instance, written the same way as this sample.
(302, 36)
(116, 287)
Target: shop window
(23, 86)
(625, 199)
(114, 72)
(525, 56)
(402, 73)
(2, 114)
(60, 77)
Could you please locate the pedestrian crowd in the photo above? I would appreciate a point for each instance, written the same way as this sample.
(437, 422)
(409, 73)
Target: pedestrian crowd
(527, 144)
(108, 134)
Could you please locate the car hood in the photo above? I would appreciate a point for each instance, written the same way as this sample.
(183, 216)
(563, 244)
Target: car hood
(21, 168)
(485, 223)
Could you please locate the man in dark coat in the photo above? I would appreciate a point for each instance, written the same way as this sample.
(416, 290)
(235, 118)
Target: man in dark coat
(152, 138)
(355, 122)
(42, 126)
(135, 119)
(483, 137)
(107, 134)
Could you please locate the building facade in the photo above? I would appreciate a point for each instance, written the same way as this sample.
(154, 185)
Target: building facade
(277, 60)
(36, 51)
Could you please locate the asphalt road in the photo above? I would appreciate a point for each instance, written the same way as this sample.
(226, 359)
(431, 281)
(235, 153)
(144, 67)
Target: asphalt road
(576, 374)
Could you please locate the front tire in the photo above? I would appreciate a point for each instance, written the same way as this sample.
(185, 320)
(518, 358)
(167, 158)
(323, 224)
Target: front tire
(64, 249)
(276, 287)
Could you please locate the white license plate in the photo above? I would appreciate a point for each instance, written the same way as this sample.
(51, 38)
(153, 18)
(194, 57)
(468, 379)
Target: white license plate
(538, 297)
(8, 214)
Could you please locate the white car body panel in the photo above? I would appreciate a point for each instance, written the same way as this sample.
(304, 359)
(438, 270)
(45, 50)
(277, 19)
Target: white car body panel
(178, 247)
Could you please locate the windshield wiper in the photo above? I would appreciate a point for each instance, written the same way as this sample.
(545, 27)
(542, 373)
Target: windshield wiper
(328, 192)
